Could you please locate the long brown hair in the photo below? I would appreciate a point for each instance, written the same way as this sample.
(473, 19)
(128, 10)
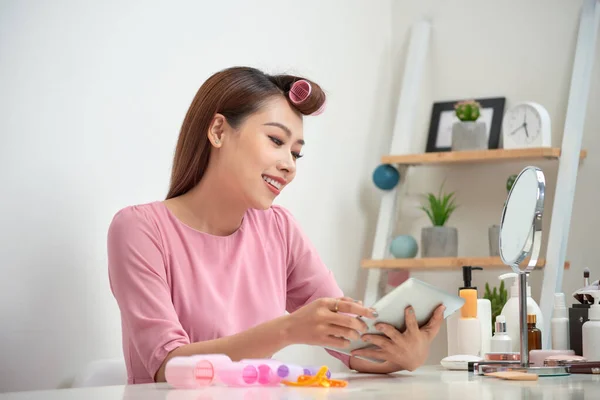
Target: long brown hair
(235, 93)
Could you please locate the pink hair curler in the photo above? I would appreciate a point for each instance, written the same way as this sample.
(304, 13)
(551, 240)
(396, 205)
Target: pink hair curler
(238, 374)
(267, 370)
(194, 371)
(320, 110)
(290, 372)
(312, 371)
(300, 91)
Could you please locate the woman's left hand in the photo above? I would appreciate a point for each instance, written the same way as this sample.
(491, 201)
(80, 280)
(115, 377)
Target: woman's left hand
(406, 350)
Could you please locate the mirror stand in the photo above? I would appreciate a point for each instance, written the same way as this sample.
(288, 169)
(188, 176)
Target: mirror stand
(532, 182)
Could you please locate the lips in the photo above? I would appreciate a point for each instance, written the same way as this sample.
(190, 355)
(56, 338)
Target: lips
(274, 183)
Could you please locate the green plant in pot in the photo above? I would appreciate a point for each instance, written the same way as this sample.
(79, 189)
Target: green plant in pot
(439, 240)
(497, 298)
(494, 230)
(468, 133)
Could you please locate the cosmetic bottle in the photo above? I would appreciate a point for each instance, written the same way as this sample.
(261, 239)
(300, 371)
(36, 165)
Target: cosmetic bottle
(510, 311)
(591, 330)
(534, 335)
(483, 313)
(501, 342)
(559, 324)
(468, 327)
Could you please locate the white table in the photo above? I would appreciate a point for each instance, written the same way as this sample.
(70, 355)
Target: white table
(431, 382)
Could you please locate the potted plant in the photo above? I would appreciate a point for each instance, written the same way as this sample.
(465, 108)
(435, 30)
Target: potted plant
(494, 230)
(497, 298)
(467, 132)
(439, 240)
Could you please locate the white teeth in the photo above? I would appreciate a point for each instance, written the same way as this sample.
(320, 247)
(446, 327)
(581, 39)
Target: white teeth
(272, 182)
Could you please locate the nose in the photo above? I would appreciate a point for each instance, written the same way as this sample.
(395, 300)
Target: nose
(288, 165)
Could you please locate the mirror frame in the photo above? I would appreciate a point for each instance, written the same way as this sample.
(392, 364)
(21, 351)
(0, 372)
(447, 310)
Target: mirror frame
(533, 244)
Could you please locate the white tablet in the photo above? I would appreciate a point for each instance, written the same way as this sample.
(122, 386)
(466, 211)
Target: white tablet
(423, 297)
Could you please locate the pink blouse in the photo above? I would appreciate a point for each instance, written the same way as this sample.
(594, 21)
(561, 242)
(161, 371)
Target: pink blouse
(175, 285)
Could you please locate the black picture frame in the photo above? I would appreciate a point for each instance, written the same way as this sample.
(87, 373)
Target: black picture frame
(444, 110)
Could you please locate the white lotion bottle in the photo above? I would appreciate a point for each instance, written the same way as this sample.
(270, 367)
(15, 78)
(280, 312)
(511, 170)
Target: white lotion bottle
(591, 330)
(510, 311)
(501, 342)
(484, 315)
(559, 324)
(468, 327)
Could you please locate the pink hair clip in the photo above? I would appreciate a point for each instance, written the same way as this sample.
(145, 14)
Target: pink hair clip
(300, 91)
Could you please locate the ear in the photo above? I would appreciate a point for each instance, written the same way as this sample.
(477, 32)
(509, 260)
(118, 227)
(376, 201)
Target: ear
(216, 130)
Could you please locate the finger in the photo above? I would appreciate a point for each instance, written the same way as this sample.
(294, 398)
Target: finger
(348, 333)
(380, 341)
(411, 320)
(435, 322)
(348, 321)
(350, 307)
(391, 332)
(337, 342)
(346, 298)
(377, 354)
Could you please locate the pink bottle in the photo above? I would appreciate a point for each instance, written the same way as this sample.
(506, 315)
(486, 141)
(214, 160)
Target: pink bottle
(194, 371)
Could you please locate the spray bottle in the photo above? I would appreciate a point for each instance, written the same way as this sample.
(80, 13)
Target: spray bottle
(510, 311)
(591, 329)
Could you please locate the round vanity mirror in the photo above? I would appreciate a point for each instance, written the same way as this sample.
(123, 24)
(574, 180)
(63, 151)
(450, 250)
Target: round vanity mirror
(521, 225)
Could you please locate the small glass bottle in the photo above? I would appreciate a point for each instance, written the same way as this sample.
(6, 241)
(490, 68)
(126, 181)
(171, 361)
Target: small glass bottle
(534, 335)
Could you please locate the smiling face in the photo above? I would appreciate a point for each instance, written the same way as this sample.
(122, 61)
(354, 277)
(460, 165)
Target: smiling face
(258, 159)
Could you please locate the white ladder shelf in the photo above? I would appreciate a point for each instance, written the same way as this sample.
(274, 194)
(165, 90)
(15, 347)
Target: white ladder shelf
(568, 157)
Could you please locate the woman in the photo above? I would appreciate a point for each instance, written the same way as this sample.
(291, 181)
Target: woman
(214, 267)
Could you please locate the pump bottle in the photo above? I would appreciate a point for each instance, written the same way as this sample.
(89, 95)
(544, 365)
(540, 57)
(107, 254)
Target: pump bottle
(591, 330)
(482, 313)
(510, 311)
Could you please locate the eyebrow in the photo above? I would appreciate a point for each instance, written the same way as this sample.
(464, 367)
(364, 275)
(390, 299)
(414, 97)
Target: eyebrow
(284, 128)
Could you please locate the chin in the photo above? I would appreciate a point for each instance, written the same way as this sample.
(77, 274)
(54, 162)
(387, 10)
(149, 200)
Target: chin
(263, 204)
(260, 202)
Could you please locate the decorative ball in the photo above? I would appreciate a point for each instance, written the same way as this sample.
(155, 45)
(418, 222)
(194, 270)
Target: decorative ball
(510, 182)
(404, 246)
(386, 177)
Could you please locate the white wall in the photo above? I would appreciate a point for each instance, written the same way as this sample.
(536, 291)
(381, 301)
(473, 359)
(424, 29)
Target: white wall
(523, 51)
(93, 95)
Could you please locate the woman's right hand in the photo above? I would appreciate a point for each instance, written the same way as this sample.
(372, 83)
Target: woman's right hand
(327, 322)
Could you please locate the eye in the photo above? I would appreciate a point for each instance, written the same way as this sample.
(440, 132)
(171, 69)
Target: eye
(296, 155)
(275, 140)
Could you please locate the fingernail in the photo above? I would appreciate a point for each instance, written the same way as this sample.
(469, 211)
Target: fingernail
(374, 312)
(411, 310)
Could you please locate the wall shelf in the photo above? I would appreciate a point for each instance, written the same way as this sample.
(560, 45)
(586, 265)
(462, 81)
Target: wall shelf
(477, 156)
(442, 263)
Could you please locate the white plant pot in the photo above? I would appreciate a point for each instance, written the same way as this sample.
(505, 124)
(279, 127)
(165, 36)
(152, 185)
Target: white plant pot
(439, 241)
(469, 135)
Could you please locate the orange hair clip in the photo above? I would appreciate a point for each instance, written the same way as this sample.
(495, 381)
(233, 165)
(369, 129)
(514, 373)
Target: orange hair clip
(320, 379)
